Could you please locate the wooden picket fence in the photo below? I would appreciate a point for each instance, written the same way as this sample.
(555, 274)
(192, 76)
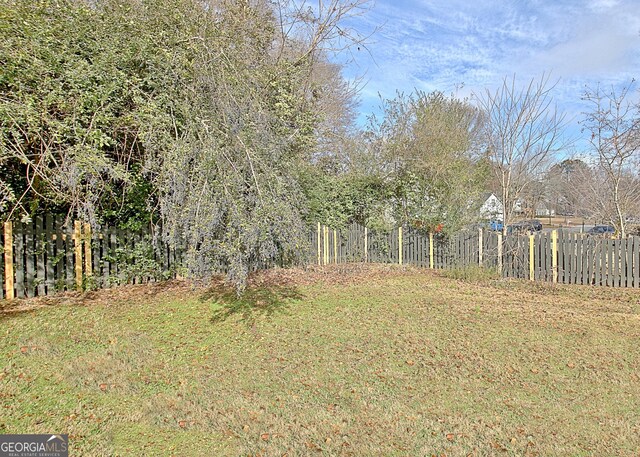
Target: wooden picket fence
(48, 255)
(557, 256)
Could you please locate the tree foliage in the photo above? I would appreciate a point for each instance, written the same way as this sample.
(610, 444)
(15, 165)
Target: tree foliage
(431, 158)
(70, 90)
(199, 113)
(338, 198)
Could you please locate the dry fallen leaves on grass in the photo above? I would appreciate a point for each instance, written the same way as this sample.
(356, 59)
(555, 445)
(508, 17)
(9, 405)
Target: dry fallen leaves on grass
(277, 277)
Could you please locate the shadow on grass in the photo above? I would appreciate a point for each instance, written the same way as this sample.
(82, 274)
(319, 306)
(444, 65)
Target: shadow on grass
(263, 300)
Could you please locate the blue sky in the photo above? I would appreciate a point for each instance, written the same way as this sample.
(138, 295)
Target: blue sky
(463, 46)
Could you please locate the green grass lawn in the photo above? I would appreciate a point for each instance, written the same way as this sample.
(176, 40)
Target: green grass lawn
(359, 361)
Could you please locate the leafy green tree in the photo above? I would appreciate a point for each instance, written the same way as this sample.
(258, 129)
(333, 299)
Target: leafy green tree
(69, 127)
(201, 113)
(431, 158)
(337, 198)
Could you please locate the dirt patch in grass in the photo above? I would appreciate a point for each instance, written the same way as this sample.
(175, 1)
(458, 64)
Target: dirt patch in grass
(352, 361)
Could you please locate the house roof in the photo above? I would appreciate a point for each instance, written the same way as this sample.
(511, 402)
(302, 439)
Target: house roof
(487, 195)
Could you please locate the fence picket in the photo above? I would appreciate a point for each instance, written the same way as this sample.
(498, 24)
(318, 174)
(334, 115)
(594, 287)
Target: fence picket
(96, 256)
(6, 250)
(622, 273)
(19, 252)
(636, 261)
(629, 263)
(564, 258)
(39, 259)
(606, 264)
(578, 276)
(50, 253)
(7, 264)
(30, 264)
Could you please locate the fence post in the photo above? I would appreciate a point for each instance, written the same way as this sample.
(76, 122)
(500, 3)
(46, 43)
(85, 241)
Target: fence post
(554, 254)
(431, 250)
(400, 245)
(335, 246)
(480, 253)
(8, 260)
(531, 257)
(366, 245)
(77, 239)
(319, 262)
(500, 253)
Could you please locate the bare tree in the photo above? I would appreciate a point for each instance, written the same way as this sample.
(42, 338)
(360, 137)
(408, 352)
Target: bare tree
(565, 182)
(524, 130)
(321, 26)
(614, 125)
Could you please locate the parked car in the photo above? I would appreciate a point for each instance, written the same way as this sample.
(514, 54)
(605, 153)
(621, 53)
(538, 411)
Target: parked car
(536, 225)
(601, 230)
(516, 228)
(530, 226)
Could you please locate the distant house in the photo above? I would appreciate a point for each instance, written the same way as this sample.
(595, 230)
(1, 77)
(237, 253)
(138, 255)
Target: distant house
(543, 209)
(518, 206)
(491, 208)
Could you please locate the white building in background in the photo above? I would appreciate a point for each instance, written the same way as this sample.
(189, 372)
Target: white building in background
(518, 206)
(492, 208)
(544, 209)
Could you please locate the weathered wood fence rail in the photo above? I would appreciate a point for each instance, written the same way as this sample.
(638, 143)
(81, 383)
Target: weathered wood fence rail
(48, 255)
(557, 256)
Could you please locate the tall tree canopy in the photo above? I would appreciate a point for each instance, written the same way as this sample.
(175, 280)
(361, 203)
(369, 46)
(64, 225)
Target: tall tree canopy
(197, 112)
(430, 153)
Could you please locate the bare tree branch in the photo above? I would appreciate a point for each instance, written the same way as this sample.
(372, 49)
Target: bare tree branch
(524, 130)
(614, 125)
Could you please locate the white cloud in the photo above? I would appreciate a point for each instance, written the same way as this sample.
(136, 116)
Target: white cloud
(441, 44)
(600, 45)
(602, 5)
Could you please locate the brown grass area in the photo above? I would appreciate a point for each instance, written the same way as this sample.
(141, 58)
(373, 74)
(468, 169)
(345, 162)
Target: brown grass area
(168, 290)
